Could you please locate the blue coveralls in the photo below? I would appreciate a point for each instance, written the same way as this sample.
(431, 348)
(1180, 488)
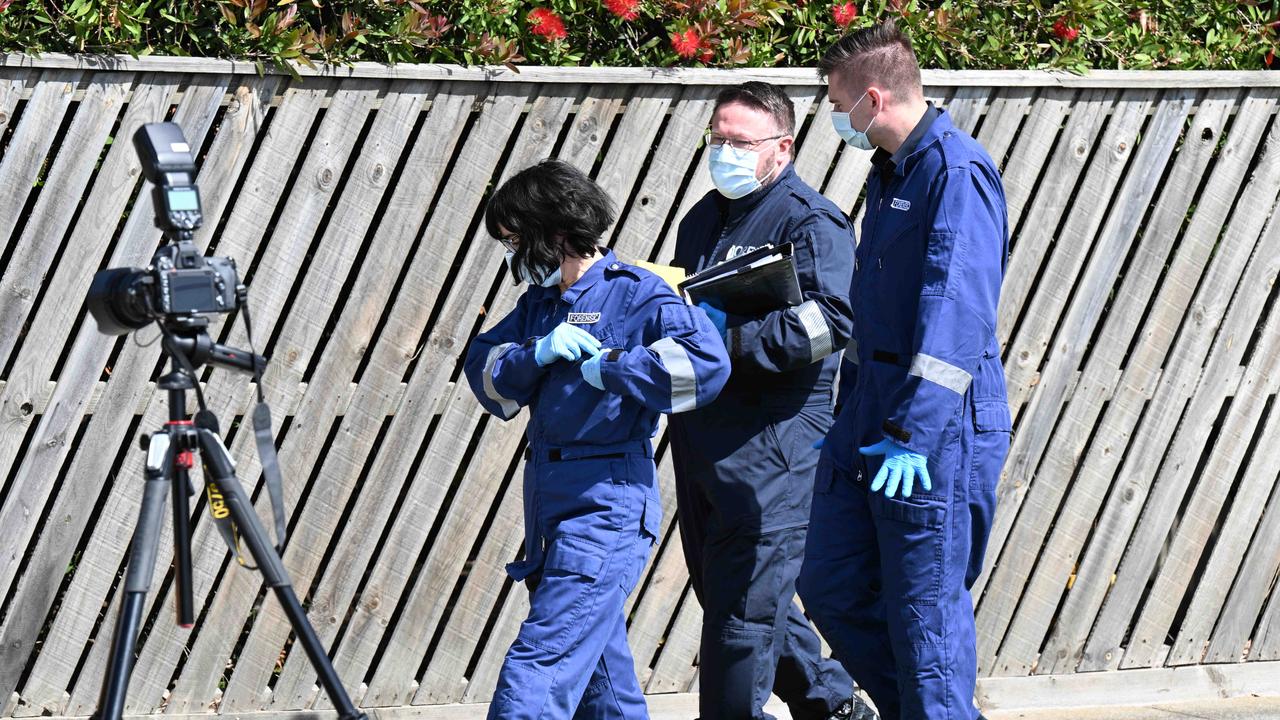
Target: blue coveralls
(591, 505)
(745, 464)
(887, 580)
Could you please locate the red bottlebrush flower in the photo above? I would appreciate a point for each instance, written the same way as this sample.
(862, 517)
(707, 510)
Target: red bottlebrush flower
(1065, 31)
(844, 13)
(707, 54)
(686, 43)
(625, 9)
(547, 24)
(1270, 58)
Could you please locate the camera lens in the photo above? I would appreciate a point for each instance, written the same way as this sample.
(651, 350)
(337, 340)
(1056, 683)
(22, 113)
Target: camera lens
(117, 300)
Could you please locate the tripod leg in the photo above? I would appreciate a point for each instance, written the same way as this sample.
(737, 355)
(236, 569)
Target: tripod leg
(218, 461)
(142, 563)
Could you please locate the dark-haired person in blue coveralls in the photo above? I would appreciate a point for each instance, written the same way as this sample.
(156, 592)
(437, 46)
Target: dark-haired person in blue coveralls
(744, 464)
(596, 349)
(907, 478)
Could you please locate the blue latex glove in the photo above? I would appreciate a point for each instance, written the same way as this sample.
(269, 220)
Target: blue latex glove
(591, 369)
(821, 441)
(718, 318)
(566, 342)
(901, 466)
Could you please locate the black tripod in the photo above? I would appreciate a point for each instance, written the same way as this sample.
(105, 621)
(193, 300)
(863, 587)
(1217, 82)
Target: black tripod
(170, 457)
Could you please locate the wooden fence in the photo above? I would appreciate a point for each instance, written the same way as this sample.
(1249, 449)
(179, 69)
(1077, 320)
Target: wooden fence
(1139, 519)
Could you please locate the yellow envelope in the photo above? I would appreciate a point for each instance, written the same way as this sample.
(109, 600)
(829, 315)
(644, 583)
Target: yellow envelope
(673, 275)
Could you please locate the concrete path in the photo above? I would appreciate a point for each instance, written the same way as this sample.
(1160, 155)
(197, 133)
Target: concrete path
(685, 707)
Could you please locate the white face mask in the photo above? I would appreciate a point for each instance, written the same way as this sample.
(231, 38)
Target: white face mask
(844, 127)
(733, 171)
(551, 280)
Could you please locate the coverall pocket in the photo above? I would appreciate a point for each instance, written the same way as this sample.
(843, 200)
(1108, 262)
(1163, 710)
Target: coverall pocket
(911, 535)
(651, 522)
(900, 253)
(992, 426)
(575, 556)
(650, 529)
(828, 473)
(794, 437)
(940, 255)
(992, 416)
(565, 593)
(824, 476)
(677, 320)
(775, 438)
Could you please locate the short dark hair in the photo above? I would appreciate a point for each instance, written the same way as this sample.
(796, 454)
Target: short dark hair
(545, 202)
(765, 97)
(882, 53)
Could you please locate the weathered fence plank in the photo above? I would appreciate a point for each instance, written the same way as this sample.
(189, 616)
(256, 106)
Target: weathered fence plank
(1032, 345)
(1071, 526)
(395, 349)
(1143, 370)
(1206, 390)
(1230, 638)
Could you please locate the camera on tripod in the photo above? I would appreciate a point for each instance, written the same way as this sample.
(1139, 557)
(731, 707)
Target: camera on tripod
(181, 284)
(178, 292)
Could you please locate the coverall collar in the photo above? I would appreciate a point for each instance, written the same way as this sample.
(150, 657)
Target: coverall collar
(590, 277)
(896, 163)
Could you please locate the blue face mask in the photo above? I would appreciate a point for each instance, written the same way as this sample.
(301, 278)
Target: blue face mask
(734, 171)
(844, 128)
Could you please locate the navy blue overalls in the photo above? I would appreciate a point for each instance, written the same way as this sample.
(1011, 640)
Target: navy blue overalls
(745, 464)
(591, 504)
(887, 580)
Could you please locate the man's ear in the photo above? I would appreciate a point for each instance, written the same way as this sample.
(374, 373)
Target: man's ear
(785, 146)
(877, 98)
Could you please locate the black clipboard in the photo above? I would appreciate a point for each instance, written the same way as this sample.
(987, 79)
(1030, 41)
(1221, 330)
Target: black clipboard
(754, 283)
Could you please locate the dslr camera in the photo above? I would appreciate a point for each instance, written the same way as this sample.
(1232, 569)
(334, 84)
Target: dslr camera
(181, 286)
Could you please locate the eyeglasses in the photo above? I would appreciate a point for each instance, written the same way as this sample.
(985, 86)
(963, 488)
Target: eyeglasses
(510, 242)
(716, 140)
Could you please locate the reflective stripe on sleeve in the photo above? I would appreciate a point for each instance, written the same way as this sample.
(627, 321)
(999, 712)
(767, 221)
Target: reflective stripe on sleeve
(815, 326)
(941, 373)
(509, 407)
(851, 352)
(684, 382)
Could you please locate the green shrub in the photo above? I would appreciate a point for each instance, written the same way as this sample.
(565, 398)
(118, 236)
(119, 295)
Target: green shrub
(1073, 34)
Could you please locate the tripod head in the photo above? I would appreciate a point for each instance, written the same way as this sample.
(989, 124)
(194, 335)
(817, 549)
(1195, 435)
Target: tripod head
(188, 338)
